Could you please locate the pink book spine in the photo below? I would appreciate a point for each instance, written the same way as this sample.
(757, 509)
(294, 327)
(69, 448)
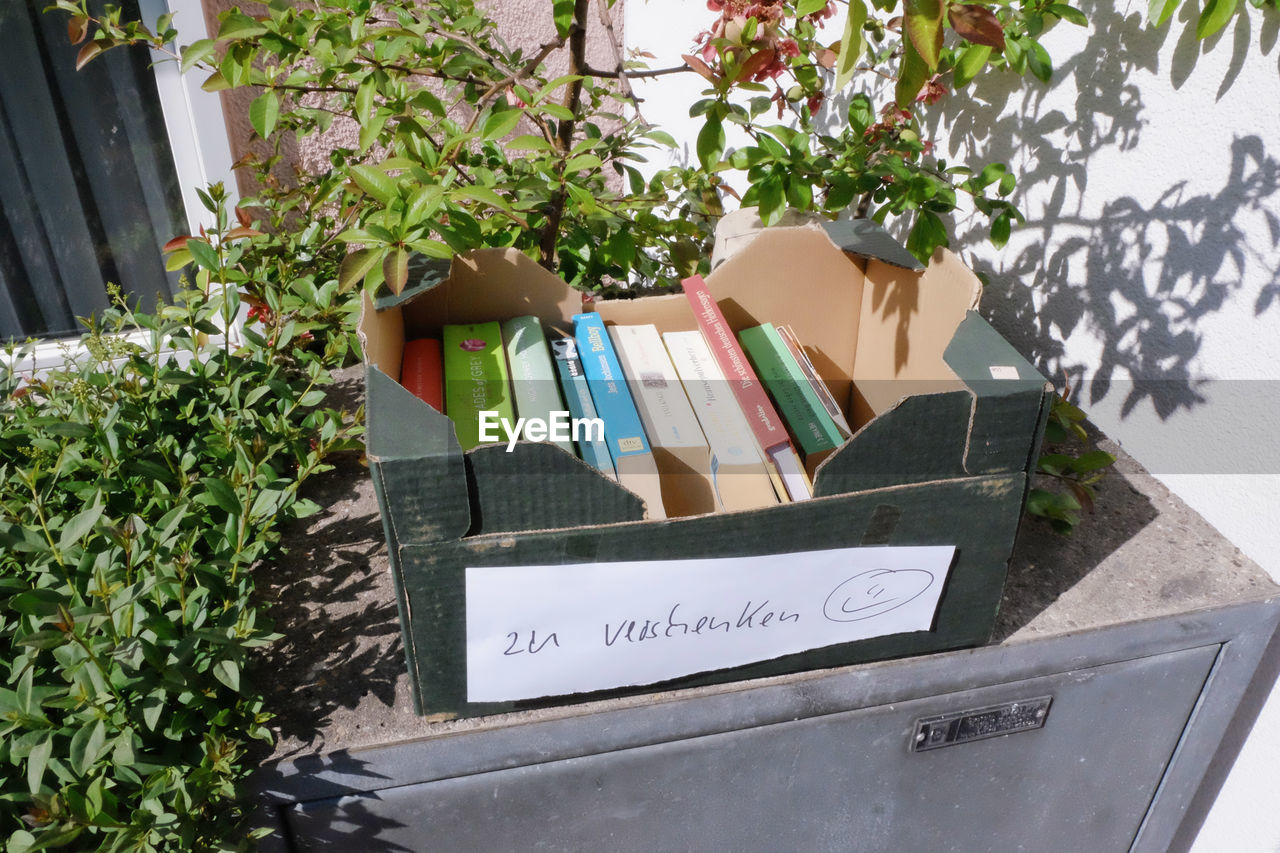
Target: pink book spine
(765, 423)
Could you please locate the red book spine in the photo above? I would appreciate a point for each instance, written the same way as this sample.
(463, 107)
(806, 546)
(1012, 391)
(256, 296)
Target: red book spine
(750, 394)
(422, 371)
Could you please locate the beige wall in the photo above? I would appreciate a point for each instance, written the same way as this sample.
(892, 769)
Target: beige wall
(522, 23)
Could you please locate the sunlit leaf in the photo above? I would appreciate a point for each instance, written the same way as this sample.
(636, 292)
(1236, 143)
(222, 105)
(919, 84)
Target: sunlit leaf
(971, 61)
(853, 44)
(711, 142)
(1161, 10)
(356, 266)
(1070, 14)
(1214, 17)
(195, 53)
(500, 124)
(922, 20)
(264, 112)
(562, 15)
(912, 75)
(204, 254)
(375, 182)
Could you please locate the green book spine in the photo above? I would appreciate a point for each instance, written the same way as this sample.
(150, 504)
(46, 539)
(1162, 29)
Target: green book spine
(533, 376)
(475, 381)
(812, 427)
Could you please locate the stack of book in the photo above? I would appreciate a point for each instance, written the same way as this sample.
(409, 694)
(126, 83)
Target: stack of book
(693, 421)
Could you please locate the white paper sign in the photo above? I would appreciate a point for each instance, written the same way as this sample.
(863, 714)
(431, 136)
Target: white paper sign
(549, 630)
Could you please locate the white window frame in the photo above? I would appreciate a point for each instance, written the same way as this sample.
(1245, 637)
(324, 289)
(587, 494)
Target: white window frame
(197, 134)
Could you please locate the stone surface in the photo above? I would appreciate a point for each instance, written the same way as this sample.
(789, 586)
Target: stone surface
(338, 680)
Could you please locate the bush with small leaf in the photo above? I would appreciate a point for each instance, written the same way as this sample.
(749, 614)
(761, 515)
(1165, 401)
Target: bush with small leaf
(140, 487)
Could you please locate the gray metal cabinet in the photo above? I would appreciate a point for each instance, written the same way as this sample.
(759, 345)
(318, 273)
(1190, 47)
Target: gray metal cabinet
(1142, 720)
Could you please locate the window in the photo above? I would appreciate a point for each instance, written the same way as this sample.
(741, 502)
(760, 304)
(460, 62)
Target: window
(90, 186)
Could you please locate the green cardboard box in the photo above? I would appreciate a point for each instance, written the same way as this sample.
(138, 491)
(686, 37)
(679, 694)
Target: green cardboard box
(948, 419)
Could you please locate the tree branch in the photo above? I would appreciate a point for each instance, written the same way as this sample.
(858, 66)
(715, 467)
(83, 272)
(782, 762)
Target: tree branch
(607, 21)
(633, 75)
(564, 136)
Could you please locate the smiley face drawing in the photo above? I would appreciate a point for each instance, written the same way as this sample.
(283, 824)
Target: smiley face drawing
(874, 593)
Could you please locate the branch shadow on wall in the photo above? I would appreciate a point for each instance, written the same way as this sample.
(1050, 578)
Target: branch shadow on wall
(1140, 278)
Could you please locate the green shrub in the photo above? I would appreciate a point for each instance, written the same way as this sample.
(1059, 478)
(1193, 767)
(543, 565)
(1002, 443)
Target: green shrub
(139, 486)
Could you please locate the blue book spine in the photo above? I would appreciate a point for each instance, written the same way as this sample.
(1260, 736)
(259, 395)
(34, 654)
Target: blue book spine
(622, 428)
(573, 381)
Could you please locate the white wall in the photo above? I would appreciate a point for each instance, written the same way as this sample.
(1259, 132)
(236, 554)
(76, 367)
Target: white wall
(1148, 272)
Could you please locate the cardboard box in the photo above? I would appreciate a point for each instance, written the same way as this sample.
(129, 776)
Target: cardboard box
(947, 416)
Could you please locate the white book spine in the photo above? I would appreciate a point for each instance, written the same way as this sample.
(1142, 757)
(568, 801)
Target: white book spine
(723, 423)
(668, 418)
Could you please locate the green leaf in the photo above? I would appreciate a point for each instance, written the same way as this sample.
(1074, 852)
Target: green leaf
(204, 254)
(1214, 17)
(356, 266)
(1070, 14)
(853, 44)
(222, 495)
(431, 248)
(228, 673)
(424, 201)
(971, 61)
(370, 130)
(215, 82)
(237, 25)
(196, 52)
(87, 745)
(773, 202)
(661, 137)
(1161, 10)
(80, 525)
(1039, 62)
(912, 75)
(147, 468)
(528, 142)
(152, 707)
(808, 7)
(553, 85)
(37, 760)
(583, 163)
(375, 182)
(177, 260)
(364, 99)
(711, 142)
(1001, 228)
(1092, 461)
(562, 14)
(927, 234)
(46, 639)
(862, 113)
(923, 23)
(482, 194)
(21, 841)
(264, 112)
(586, 201)
(500, 124)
